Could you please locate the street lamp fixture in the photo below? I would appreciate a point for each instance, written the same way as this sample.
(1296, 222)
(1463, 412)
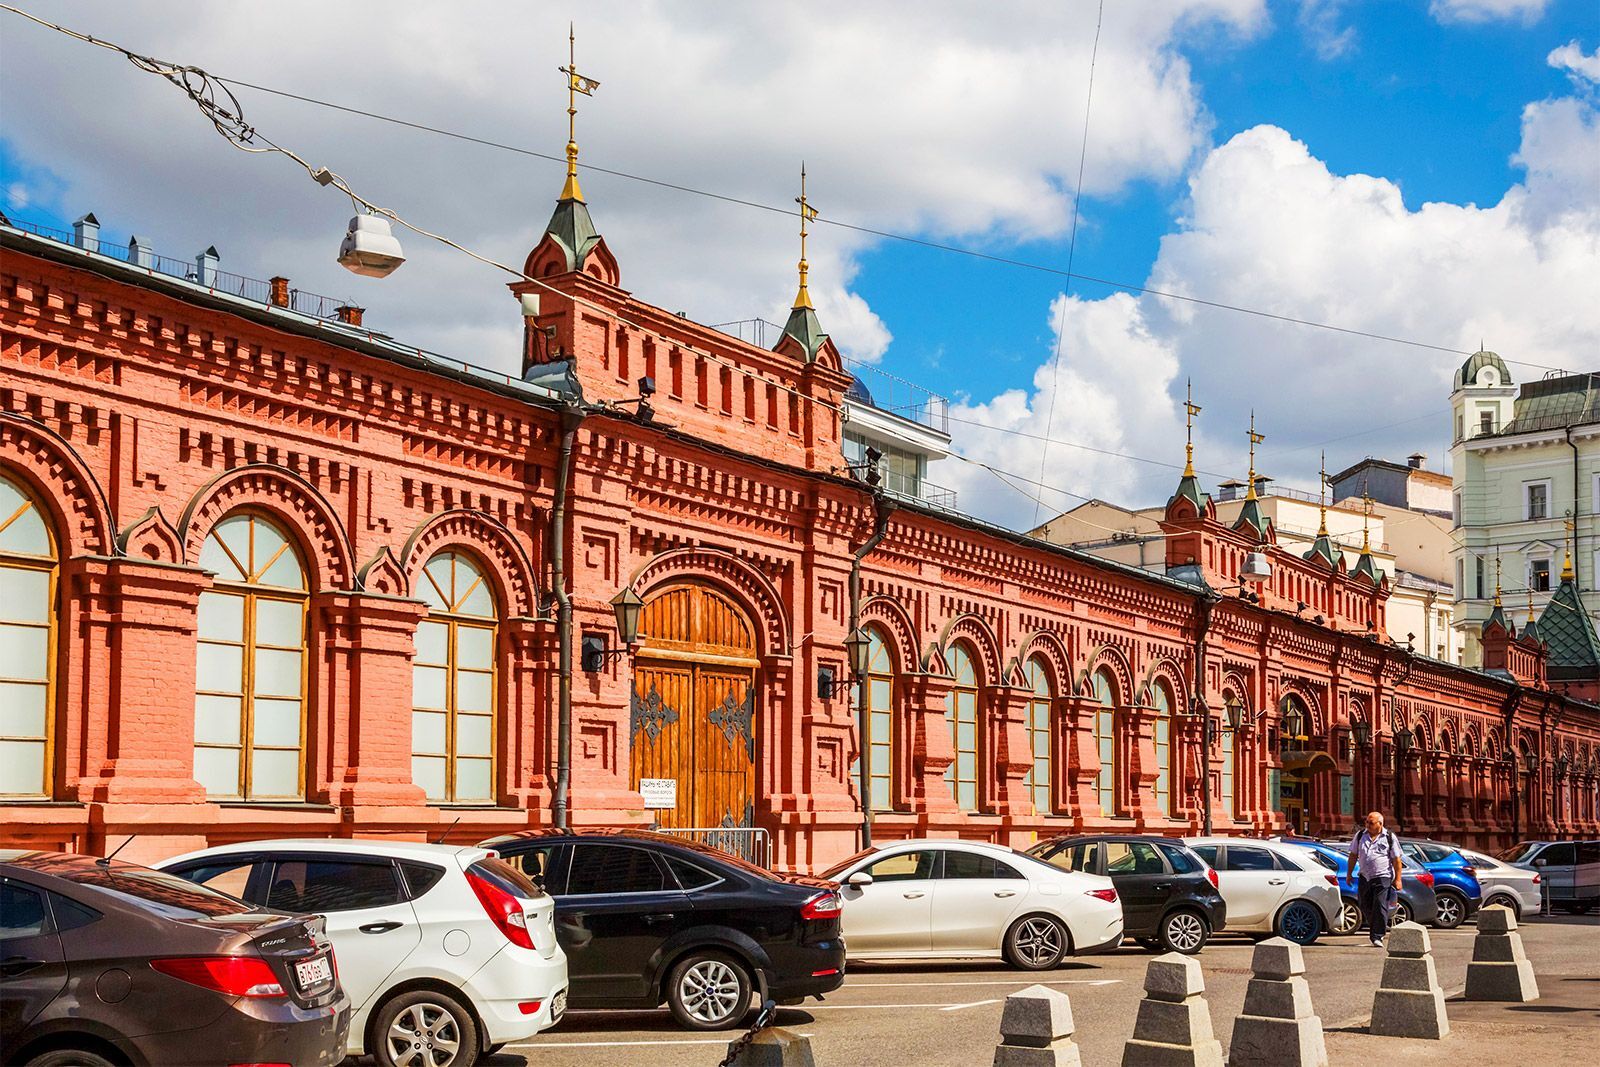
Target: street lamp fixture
(1403, 741)
(858, 648)
(1362, 731)
(1530, 762)
(594, 652)
(1561, 766)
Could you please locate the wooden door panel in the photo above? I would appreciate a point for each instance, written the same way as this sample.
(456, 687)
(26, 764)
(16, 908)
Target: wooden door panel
(662, 734)
(724, 746)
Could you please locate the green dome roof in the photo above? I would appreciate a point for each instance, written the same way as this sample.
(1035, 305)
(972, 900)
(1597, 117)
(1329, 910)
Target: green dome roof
(1468, 374)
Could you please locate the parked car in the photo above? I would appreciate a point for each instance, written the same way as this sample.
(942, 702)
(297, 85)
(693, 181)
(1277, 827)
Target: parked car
(1271, 887)
(646, 919)
(921, 899)
(1455, 883)
(1417, 900)
(1169, 896)
(1570, 870)
(1503, 884)
(109, 963)
(446, 951)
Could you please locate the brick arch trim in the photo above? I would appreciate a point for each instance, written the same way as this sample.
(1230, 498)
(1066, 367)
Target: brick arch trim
(53, 472)
(1233, 680)
(1046, 645)
(287, 498)
(151, 538)
(887, 614)
(487, 540)
(1112, 659)
(1166, 670)
(748, 586)
(980, 638)
(1293, 687)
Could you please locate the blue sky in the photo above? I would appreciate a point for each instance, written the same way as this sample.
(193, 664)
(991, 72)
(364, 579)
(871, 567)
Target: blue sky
(1418, 168)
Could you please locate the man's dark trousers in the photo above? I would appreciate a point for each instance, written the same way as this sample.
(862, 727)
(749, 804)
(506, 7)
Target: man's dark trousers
(1374, 900)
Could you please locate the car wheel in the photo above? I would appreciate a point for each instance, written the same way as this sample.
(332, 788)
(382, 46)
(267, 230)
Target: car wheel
(1036, 943)
(1501, 900)
(1349, 920)
(423, 1028)
(1402, 913)
(708, 991)
(1452, 911)
(1300, 922)
(67, 1057)
(1184, 931)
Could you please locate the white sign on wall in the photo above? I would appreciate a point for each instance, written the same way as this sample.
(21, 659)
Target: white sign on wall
(659, 793)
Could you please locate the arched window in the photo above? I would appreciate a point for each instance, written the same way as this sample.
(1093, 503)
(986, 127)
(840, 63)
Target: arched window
(452, 683)
(250, 677)
(1226, 743)
(875, 695)
(1105, 741)
(27, 638)
(1038, 778)
(1161, 700)
(961, 711)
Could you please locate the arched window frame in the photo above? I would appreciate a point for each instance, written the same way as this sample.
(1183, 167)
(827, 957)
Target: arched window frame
(1039, 726)
(457, 672)
(965, 773)
(1230, 756)
(258, 605)
(1105, 740)
(1162, 701)
(29, 572)
(875, 694)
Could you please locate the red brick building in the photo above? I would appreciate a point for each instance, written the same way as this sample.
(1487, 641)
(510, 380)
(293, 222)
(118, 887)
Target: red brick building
(265, 571)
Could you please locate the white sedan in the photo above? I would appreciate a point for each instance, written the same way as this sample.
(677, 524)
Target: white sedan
(942, 897)
(1271, 887)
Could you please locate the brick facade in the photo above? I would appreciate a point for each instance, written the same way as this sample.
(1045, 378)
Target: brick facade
(139, 411)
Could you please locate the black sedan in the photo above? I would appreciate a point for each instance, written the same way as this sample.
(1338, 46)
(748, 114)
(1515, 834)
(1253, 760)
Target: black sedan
(1169, 896)
(108, 963)
(646, 918)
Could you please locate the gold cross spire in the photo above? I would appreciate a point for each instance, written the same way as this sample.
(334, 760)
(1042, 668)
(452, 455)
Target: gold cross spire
(1366, 514)
(1566, 548)
(1190, 410)
(1255, 439)
(576, 83)
(1322, 498)
(808, 214)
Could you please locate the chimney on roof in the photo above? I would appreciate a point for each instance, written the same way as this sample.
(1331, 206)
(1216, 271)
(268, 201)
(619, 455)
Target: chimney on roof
(279, 292)
(205, 266)
(1416, 461)
(140, 254)
(349, 314)
(86, 233)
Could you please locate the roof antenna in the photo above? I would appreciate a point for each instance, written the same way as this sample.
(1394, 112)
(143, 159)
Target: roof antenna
(447, 830)
(105, 861)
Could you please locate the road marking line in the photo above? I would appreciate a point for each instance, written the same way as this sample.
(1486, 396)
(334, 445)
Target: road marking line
(974, 1004)
(1020, 981)
(873, 1007)
(614, 1044)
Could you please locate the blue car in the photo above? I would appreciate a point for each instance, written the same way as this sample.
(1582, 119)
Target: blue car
(1417, 901)
(1454, 880)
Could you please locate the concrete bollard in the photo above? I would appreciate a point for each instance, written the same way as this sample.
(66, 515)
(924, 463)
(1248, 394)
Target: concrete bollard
(1499, 970)
(1173, 1028)
(1409, 1002)
(1036, 1030)
(1278, 1028)
(772, 1047)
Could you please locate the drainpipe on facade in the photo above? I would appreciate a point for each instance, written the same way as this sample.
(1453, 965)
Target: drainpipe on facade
(1399, 756)
(882, 508)
(571, 416)
(1508, 712)
(1198, 705)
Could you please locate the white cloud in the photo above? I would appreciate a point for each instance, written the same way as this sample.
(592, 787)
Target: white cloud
(1570, 57)
(16, 196)
(1321, 21)
(1487, 10)
(1269, 226)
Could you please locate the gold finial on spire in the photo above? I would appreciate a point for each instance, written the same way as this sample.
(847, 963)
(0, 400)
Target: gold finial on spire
(1566, 548)
(1322, 497)
(1497, 578)
(808, 215)
(1366, 514)
(1255, 439)
(1190, 409)
(576, 83)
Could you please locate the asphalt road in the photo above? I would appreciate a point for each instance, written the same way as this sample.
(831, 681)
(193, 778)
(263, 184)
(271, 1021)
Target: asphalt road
(935, 1014)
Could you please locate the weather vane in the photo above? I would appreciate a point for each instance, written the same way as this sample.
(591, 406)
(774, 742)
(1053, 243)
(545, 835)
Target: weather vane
(1255, 439)
(576, 83)
(808, 214)
(1190, 410)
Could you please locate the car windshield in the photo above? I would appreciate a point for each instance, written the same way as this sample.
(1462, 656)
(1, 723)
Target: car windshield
(1519, 852)
(155, 891)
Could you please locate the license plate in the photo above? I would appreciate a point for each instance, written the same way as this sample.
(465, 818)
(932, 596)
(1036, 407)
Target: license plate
(558, 1005)
(310, 973)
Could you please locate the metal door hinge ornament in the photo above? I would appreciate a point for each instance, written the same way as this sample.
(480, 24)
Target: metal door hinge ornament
(735, 719)
(649, 713)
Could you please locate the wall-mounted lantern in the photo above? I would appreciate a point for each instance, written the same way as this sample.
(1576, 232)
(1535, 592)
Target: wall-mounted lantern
(594, 652)
(1403, 741)
(858, 647)
(1362, 731)
(1530, 762)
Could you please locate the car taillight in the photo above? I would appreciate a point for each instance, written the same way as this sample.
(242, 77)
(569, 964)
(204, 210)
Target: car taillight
(1536, 879)
(1424, 877)
(505, 910)
(822, 906)
(1331, 879)
(1211, 876)
(1107, 895)
(236, 976)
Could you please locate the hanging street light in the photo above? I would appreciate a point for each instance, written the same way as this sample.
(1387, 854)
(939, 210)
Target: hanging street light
(370, 247)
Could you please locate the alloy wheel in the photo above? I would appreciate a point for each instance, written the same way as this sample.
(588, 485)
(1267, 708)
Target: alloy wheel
(1038, 942)
(1402, 913)
(1450, 912)
(1349, 917)
(709, 991)
(1300, 923)
(1184, 931)
(424, 1035)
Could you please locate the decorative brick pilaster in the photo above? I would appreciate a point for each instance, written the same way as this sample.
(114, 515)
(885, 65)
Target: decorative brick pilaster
(528, 704)
(1078, 758)
(1136, 795)
(926, 735)
(1003, 714)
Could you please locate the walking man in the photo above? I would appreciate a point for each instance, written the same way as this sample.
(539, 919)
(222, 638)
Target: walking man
(1375, 857)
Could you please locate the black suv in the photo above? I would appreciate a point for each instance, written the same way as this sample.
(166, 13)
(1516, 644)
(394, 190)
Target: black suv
(647, 918)
(1169, 896)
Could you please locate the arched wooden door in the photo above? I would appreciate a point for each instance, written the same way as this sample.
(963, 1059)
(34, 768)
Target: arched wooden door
(694, 700)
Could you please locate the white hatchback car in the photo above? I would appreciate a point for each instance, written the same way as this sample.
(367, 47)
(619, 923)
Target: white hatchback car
(1271, 887)
(943, 897)
(446, 952)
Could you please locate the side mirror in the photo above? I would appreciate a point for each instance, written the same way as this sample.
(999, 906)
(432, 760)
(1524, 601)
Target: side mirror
(1541, 862)
(860, 878)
